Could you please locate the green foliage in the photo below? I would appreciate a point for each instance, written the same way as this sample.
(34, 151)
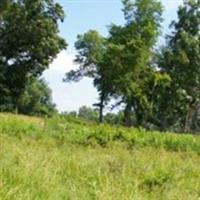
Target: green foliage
(67, 129)
(180, 59)
(88, 113)
(72, 114)
(157, 179)
(130, 50)
(63, 158)
(119, 64)
(29, 42)
(156, 91)
(114, 118)
(91, 48)
(37, 99)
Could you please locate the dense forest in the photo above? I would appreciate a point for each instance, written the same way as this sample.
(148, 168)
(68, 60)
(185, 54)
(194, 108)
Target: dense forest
(157, 87)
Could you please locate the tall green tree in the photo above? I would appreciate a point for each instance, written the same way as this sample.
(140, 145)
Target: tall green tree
(91, 48)
(29, 41)
(181, 60)
(119, 64)
(130, 52)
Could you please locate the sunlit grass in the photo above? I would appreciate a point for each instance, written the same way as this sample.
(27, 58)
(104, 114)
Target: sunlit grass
(66, 159)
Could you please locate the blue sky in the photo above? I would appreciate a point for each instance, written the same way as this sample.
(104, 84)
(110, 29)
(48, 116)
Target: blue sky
(82, 15)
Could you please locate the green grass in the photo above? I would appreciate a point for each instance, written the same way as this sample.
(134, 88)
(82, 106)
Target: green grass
(59, 158)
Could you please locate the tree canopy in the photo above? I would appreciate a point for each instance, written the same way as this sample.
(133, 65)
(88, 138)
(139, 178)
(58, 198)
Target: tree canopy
(181, 60)
(29, 41)
(155, 86)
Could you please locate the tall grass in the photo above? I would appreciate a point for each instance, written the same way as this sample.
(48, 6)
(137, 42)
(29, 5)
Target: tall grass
(76, 131)
(59, 158)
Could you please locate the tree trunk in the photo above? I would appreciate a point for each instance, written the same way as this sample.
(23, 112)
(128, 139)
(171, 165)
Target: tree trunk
(190, 117)
(163, 123)
(127, 115)
(100, 114)
(101, 107)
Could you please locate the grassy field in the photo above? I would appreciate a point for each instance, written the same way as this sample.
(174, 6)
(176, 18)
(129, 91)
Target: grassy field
(59, 158)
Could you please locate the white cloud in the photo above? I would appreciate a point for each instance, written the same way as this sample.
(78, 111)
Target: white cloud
(63, 63)
(68, 96)
(171, 4)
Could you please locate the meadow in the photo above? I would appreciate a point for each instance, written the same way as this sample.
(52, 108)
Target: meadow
(67, 158)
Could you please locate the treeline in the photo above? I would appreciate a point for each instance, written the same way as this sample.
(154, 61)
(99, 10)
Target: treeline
(157, 86)
(91, 114)
(29, 41)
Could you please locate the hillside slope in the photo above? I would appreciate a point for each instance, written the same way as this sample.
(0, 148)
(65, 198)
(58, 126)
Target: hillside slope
(63, 158)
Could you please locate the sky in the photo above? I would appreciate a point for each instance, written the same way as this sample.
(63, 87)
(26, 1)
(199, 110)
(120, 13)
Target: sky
(81, 16)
